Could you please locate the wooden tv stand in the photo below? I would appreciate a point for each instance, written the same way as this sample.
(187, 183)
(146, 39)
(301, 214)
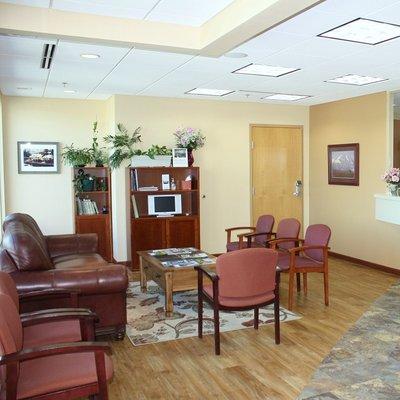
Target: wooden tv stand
(151, 232)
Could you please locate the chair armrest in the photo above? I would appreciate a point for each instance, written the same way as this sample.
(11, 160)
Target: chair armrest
(275, 242)
(240, 228)
(55, 349)
(55, 310)
(250, 235)
(61, 245)
(37, 319)
(46, 294)
(201, 269)
(295, 250)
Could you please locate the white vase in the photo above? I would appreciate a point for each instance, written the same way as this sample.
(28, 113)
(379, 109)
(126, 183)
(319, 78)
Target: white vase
(393, 190)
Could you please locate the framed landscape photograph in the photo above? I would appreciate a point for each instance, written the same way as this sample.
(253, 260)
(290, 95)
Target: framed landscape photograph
(344, 164)
(180, 157)
(38, 158)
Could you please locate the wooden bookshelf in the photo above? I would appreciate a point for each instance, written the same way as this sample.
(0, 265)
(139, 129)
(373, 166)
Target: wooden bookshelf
(100, 223)
(151, 232)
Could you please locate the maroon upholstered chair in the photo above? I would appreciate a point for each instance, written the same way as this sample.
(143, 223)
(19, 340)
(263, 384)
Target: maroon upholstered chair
(257, 236)
(288, 228)
(56, 372)
(311, 256)
(50, 326)
(246, 279)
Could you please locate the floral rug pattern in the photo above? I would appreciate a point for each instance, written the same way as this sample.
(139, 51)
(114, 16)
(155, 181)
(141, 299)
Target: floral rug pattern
(147, 323)
(365, 363)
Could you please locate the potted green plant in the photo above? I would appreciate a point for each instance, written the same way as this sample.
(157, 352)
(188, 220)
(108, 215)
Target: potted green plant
(99, 154)
(76, 157)
(155, 156)
(83, 182)
(122, 145)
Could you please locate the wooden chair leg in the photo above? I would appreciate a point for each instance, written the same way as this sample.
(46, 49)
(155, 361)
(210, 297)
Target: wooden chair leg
(216, 330)
(277, 320)
(256, 314)
(305, 288)
(101, 375)
(298, 282)
(291, 287)
(200, 315)
(326, 288)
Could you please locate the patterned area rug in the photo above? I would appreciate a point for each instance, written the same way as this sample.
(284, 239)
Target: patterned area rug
(365, 363)
(147, 322)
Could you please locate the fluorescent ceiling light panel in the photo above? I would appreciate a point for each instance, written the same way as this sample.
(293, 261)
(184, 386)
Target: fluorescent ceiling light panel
(69, 91)
(358, 80)
(209, 92)
(90, 56)
(285, 97)
(365, 31)
(264, 70)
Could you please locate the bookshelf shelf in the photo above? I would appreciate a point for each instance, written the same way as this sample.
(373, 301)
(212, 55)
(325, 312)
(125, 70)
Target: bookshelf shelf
(89, 205)
(152, 232)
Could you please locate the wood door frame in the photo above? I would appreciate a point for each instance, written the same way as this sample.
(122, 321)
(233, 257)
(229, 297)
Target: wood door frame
(301, 127)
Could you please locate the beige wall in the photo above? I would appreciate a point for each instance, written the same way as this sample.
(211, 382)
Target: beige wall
(47, 197)
(224, 161)
(349, 211)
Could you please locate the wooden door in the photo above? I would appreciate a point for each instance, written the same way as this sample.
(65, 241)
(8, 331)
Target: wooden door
(146, 234)
(182, 232)
(276, 165)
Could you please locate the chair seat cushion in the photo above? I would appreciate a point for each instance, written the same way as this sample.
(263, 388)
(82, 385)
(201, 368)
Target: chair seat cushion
(52, 333)
(241, 301)
(50, 374)
(232, 246)
(301, 261)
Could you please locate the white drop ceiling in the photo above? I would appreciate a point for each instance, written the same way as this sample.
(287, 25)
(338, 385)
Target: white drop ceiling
(293, 44)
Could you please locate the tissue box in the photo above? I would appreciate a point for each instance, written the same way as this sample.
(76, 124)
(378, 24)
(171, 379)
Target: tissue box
(186, 185)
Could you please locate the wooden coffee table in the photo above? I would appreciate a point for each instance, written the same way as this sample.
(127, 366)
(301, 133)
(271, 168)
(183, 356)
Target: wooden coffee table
(171, 279)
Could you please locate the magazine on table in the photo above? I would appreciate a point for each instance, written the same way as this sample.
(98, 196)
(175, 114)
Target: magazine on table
(181, 257)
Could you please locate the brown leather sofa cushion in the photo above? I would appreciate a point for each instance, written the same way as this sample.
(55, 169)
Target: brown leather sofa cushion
(109, 278)
(26, 247)
(79, 260)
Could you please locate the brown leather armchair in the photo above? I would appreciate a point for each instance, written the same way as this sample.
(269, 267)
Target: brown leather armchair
(67, 263)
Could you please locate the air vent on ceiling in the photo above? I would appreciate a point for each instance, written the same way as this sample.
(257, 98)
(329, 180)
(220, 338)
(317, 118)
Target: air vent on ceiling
(48, 53)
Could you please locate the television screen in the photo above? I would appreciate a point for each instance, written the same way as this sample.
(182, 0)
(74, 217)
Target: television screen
(164, 204)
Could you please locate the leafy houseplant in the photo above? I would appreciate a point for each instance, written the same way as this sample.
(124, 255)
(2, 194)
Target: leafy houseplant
(155, 156)
(83, 182)
(98, 153)
(76, 157)
(122, 144)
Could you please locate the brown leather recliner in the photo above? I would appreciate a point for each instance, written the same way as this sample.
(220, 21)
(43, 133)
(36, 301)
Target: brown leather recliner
(68, 262)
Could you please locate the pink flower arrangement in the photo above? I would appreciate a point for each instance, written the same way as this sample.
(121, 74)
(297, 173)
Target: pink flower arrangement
(189, 138)
(392, 176)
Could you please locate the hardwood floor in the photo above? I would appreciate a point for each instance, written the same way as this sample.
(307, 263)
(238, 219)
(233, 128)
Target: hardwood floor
(251, 366)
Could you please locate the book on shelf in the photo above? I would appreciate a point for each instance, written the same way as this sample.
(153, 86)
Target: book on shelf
(135, 181)
(148, 189)
(86, 207)
(135, 207)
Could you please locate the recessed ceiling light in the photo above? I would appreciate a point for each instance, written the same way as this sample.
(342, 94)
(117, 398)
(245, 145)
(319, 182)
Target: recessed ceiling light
(24, 88)
(234, 54)
(69, 91)
(209, 92)
(265, 70)
(90, 56)
(285, 97)
(358, 80)
(365, 31)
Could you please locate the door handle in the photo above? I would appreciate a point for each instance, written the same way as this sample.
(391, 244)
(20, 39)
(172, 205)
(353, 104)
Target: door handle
(298, 188)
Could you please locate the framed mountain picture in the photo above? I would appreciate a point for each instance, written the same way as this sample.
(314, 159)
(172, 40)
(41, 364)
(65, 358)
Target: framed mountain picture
(344, 164)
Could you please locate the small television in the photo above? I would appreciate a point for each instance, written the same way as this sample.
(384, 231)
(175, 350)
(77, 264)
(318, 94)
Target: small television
(165, 204)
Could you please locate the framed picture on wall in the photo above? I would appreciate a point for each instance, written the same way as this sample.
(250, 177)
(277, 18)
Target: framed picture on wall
(38, 158)
(344, 164)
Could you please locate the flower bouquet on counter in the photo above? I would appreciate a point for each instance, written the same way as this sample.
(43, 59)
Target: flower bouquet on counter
(392, 179)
